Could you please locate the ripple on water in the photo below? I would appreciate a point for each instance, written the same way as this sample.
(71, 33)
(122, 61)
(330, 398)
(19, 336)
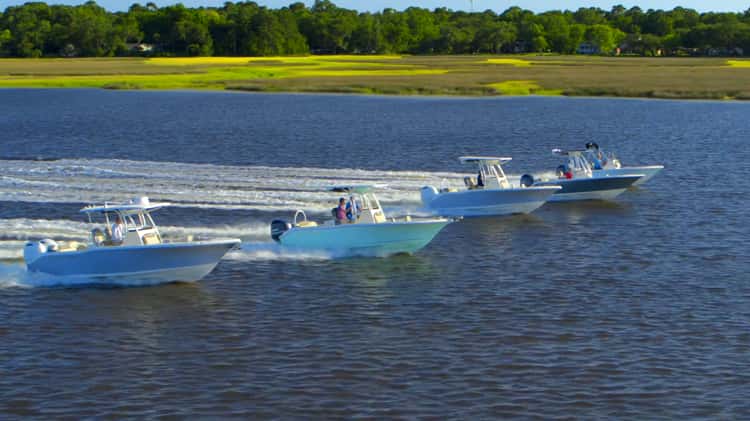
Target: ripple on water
(631, 309)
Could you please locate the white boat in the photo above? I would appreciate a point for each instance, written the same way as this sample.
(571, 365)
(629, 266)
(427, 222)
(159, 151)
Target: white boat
(579, 181)
(492, 194)
(140, 257)
(609, 164)
(367, 233)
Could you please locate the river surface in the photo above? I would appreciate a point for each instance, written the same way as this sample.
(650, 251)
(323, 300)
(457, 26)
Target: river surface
(637, 308)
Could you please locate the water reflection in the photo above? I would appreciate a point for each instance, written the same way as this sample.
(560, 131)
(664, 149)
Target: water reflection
(583, 211)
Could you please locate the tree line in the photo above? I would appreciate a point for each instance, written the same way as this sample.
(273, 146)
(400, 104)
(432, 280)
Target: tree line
(247, 29)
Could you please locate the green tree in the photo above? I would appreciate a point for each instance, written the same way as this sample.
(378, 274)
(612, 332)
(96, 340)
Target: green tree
(590, 16)
(557, 31)
(36, 29)
(367, 37)
(495, 38)
(395, 31)
(5, 37)
(90, 31)
(30, 27)
(604, 37)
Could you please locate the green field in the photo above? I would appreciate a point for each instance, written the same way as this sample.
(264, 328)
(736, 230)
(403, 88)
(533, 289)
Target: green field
(690, 78)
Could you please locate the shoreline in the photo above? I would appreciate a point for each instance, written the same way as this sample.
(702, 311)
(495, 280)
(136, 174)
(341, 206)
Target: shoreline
(472, 76)
(389, 95)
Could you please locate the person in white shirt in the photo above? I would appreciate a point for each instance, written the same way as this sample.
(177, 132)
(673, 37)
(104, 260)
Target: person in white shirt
(352, 209)
(118, 230)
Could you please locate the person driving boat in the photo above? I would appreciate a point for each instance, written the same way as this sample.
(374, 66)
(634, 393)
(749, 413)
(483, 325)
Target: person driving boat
(118, 231)
(352, 209)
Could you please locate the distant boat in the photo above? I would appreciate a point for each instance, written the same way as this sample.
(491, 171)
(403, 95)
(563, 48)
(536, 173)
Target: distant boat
(367, 233)
(579, 181)
(609, 164)
(492, 194)
(140, 257)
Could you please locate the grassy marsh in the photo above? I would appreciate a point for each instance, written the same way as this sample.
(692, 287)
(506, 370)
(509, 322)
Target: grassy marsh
(709, 78)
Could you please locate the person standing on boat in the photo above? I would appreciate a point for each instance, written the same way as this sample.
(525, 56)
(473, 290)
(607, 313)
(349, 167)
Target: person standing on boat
(118, 230)
(341, 211)
(597, 162)
(352, 209)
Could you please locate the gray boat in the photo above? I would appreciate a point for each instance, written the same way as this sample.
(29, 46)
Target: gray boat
(579, 181)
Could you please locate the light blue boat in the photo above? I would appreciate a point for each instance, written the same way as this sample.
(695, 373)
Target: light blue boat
(140, 256)
(491, 195)
(368, 233)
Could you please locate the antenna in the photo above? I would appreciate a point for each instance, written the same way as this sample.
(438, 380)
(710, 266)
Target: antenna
(471, 6)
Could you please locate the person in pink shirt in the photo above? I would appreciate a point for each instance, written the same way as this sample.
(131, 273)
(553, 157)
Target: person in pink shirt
(341, 211)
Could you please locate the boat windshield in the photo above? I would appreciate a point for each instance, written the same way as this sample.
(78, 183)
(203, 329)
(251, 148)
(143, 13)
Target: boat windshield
(490, 176)
(139, 221)
(137, 228)
(579, 164)
(362, 206)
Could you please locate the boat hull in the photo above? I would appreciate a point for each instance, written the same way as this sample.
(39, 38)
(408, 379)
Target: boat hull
(648, 172)
(594, 188)
(494, 202)
(168, 262)
(381, 239)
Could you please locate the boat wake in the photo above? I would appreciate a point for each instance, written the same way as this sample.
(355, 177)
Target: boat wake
(263, 192)
(16, 276)
(13, 273)
(200, 185)
(261, 251)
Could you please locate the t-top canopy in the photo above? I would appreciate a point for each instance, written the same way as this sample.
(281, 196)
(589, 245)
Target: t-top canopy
(141, 204)
(484, 159)
(571, 152)
(360, 189)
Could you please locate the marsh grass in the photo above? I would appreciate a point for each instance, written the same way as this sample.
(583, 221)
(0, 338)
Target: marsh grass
(522, 87)
(509, 61)
(738, 63)
(678, 78)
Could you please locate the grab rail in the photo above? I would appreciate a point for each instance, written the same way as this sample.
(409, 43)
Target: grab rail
(299, 212)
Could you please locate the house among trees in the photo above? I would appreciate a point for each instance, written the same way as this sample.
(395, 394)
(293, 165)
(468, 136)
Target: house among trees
(588, 48)
(725, 52)
(520, 47)
(139, 47)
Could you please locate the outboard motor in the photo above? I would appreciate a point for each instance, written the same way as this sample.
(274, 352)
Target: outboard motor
(527, 180)
(35, 249)
(279, 227)
(429, 193)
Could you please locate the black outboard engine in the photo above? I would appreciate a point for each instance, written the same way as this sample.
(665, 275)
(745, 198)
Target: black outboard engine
(527, 180)
(279, 227)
